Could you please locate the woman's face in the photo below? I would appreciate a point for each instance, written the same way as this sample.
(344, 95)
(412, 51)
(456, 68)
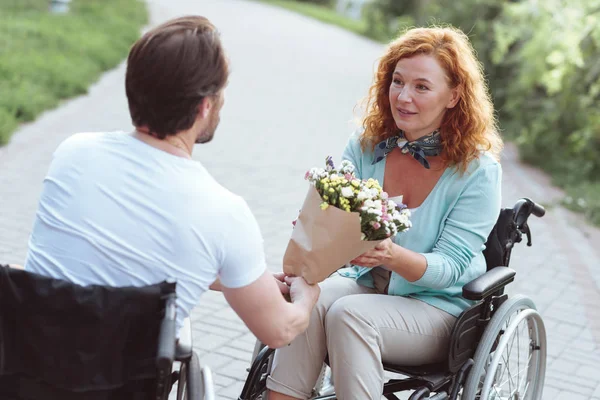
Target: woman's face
(420, 95)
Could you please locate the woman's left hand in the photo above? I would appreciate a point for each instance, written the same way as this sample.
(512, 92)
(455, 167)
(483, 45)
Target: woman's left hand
(380, 255)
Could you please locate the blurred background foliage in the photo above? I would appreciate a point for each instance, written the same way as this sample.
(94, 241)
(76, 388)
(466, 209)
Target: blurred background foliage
(542, 62)
(47, 57)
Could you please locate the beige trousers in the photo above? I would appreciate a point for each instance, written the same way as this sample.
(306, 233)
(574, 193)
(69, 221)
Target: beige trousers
(360, 327)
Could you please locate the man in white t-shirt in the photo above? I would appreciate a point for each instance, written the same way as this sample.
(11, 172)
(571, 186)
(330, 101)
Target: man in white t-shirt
(125, 209)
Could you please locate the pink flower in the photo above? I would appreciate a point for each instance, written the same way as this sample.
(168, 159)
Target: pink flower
(376, 225)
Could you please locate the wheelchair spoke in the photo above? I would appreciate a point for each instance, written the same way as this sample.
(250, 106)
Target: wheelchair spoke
(509, 375)
(512, 368)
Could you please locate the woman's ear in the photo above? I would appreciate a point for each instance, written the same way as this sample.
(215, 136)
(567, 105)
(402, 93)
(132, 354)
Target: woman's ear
(455, 97)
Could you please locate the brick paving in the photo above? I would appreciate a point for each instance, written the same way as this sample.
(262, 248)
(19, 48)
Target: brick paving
(288, 105)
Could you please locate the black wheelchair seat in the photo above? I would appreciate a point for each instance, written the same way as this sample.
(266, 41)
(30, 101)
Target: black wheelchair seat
(63, 341)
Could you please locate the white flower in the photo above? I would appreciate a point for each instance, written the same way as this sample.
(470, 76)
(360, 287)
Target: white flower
(347, 192)
(346, 167)
(362, 195)
(403, 219)
(369, 203)
(374, 211)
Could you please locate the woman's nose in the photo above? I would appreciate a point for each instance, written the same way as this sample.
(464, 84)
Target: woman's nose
(404, 95)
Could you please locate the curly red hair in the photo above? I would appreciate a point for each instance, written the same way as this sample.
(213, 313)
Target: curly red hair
(468, 128)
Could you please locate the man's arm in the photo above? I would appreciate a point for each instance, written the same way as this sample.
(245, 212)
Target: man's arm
(272, 319)
(279, 276)
(216, 285)
(253, 292)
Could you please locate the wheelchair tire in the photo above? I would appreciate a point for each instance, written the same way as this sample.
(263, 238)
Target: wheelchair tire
(491, 363)
(196, 388)
(182, 382)
(191, 384)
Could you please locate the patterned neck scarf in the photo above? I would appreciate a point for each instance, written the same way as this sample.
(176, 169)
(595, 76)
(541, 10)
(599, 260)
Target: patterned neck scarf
(428, 145)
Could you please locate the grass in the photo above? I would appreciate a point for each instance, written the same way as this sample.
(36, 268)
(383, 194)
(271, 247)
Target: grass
(45, 58)
(322, 13)
(585, 199)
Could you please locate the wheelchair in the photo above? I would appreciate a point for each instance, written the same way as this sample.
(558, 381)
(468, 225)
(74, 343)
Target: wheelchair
(63, 341)
(497, 346)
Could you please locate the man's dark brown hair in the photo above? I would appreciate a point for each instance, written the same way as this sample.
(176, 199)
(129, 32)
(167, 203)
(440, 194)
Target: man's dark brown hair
(170, 70)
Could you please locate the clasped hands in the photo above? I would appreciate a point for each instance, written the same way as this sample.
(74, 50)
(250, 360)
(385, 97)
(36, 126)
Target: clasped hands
(379, 255)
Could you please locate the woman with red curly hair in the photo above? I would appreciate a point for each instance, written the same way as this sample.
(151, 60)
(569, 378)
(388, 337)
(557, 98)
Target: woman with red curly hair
(430, 138)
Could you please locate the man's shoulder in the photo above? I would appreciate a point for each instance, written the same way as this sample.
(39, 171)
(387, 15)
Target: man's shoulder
(81, 140)
(215, 200)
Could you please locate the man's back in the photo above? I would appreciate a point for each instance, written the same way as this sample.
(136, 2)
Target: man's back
(116, 211)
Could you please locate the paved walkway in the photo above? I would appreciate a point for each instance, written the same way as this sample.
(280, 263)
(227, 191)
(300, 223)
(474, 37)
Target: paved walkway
(289, 104)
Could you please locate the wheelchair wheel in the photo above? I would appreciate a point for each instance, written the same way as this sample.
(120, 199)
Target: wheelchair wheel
(194, 383)
(510, 361)
(255, 387)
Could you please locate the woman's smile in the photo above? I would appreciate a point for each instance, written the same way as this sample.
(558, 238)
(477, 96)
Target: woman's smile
(405, 113)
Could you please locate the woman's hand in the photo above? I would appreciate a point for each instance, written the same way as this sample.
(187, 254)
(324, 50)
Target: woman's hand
(380, 255)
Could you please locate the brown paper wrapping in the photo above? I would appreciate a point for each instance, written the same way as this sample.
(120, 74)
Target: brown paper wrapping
(323, 241)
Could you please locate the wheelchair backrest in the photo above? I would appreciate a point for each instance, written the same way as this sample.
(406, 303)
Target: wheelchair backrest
(499, 243)
(63, 341)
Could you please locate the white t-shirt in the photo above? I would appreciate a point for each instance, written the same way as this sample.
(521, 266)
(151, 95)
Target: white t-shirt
(115, 211)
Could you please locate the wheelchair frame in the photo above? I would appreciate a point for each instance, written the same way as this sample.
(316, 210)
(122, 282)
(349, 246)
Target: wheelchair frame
(193, 382)
(480, 334)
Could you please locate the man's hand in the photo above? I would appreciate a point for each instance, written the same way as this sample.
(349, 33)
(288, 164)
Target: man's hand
(380, 255)
(301, 291)
(280, 279)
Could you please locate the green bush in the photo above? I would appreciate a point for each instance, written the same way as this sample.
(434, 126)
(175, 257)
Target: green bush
(554, 98)
(46, 57)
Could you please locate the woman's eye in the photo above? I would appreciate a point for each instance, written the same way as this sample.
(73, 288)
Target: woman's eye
(422, 87)
(398, 81)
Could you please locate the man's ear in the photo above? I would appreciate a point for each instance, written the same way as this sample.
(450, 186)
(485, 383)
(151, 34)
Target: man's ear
(456, 92)
(204, 107)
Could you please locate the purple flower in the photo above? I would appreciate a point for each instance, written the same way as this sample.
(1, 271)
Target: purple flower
(329, 163)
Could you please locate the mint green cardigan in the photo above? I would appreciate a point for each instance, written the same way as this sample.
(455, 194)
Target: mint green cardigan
(449, 229)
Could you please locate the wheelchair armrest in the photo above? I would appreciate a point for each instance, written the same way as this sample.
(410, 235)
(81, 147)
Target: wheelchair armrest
(183, 350)
(488, 283)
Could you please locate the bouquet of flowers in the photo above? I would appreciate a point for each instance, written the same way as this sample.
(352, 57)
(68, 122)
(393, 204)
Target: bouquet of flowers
(342, 217)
